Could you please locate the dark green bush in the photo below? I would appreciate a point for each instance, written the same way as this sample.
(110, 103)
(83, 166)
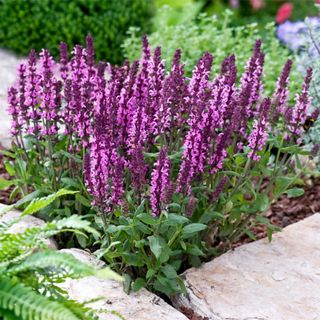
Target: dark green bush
(37, 24)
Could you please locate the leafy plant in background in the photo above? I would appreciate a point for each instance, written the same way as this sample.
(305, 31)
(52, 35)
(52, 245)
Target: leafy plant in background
(215, 34)
(30, 273)
(170, 169)
(304, 38)
(44, 23)
(262, 11)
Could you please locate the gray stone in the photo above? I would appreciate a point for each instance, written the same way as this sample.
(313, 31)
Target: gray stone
(261, 280)
(8, 72)
(142, 305)
(25, 223)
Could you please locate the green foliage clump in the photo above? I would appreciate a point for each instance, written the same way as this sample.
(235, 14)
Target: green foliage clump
(216, 35)
(309, 56)
(30, 272)
(41, 24)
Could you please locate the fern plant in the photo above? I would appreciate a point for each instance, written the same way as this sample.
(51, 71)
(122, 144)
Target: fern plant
(30, 272)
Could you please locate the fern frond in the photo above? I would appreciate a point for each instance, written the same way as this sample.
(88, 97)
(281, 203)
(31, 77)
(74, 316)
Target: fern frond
(76, 222)
(26, 304)
(52, 263)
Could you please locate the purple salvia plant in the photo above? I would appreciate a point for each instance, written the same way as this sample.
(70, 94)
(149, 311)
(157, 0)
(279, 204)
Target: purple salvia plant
(23, 108)
(49, 91)
(32, 94)
(64, 62)
(251, 82)
(170, 113)
(298, 114)
(123, 116)
(258, 136)
(14, 111)
(280, 96)
(160, 181)
(219, 188)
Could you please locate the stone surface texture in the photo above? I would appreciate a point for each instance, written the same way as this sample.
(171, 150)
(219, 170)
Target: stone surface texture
(143, 305)
(25, 223)
(8, 67)
(261, 280)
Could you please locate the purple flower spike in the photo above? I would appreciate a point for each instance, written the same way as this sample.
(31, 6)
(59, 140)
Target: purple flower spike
(280, 96)
(49, 94)
(159, 182)
(258, 137)
(64, 68)
(13, 110)
(298, 114)
(32, 93)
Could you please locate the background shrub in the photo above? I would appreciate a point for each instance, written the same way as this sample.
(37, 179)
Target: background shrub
(217, 35)
(44, 23)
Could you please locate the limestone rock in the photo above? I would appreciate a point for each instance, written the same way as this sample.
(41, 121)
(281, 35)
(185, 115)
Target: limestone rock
(25, 223)
(142, 305)
(261, 280)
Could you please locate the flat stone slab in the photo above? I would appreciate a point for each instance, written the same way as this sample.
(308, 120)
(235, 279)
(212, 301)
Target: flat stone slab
(8, 72)
(142, 305)
(25, 223)
(260, 280)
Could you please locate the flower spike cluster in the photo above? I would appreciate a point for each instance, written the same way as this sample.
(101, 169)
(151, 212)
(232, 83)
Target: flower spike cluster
(148, 130)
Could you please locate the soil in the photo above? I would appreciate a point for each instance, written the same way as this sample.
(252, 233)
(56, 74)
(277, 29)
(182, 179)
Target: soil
(286, 211)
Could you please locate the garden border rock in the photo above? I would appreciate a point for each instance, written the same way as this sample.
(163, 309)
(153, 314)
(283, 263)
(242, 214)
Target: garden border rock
(142, 305)
(260, 280)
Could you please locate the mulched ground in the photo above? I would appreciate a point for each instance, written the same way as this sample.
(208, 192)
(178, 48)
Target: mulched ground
(287, 210)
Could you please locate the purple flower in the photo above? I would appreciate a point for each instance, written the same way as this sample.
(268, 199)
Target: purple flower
(13, 110)
(23, 108)
(32, 94)
(123, 116)
(219, 188)
(280, 96)
(298, 114)
(64, 67)
(252, 79)
(49, 92)
(159, 182)
(258, 137)
(171, 110)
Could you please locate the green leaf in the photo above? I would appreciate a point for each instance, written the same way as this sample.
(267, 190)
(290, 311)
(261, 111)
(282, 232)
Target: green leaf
(83, 200)
(176, 220)
(9, 168)
(127, 283)
(282, 184)
(29, 197)
(150, 273)
(262, 202)
(148, 219)
(138, 284)
(192, 228)
(140, 208)
(4, 184)
(295, 192)
(155, 245)
(38, 204)
(209, 216)
(169, 271)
